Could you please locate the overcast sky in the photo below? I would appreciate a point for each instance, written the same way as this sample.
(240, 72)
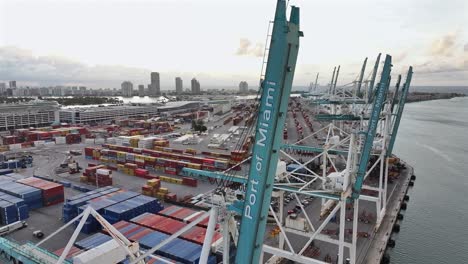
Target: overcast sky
(220, 42)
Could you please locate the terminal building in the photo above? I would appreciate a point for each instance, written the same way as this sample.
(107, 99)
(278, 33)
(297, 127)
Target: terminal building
(86, 115)
(36, 113)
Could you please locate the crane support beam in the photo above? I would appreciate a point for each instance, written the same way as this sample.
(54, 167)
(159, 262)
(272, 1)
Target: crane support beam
(319, 194)
(194, 173)
(401, 106)
(314, 149)
(326, 117)
(377, 107)
(340, 102)
(275, 93)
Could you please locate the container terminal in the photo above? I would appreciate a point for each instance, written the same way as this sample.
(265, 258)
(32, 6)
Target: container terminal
(279, 178)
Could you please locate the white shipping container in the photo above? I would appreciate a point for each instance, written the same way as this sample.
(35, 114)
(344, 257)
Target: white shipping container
(109, 252)
(60, 140)
(39, 143)
(15, 146)
(89, 141)
(297, 224)
(99, 141)
(103, 171)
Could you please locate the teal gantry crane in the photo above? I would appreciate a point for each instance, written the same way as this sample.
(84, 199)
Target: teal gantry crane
(276, 89)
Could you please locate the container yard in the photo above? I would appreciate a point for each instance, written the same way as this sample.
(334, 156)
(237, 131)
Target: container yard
(282, 178)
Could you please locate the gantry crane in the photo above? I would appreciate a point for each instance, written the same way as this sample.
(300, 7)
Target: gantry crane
(260, 183)
(276, 89)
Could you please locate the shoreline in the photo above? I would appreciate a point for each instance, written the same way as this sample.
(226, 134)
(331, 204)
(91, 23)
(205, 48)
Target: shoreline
(423, 97)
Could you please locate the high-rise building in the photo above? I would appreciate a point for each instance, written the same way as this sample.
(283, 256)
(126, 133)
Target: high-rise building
(44, 91)
(74, 90)
(179, 87)
(141, 90)
(82, 90)
(2, 88)
(127, 89)
(243, 87)
(155, 88)
(13, 84)
(58, 91)
(195, 86)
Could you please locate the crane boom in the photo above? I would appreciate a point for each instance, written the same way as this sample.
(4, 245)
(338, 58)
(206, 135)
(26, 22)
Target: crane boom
(276, 89)
(336, 79)
(372, 81)
(401, 106)
(361, 76)
(316, 79)
(395, 94)
(372, 127)
(332, 81)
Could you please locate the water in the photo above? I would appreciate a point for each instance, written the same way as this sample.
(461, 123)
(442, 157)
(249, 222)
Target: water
(433, 138)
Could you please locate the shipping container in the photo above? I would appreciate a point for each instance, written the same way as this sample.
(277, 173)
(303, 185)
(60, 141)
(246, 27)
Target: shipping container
(93, 241)
(52, 193)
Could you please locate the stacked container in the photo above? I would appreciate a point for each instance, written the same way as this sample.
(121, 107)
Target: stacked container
(20, 210)
(178, 249)
(88, 151)
(129, 168)
(52, 193)
(73, 138)
(183, 214)
(74, 251)
(152, 187)
(91, 225)
(71, 205)
(103, 177)
(8, 213)
(159, 223)
(31, 196)
(132, 207)
(92, 241)
(90, 174)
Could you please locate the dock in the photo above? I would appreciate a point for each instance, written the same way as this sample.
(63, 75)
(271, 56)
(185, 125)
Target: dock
(380, 240)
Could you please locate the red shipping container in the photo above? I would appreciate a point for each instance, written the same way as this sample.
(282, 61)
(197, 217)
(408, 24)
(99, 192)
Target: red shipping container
(52, 193)
(88, 151)
(159, 223)
(143, 232)
(74, 251)
(189, 182)
(208, 161)
(171, 197)
(182, 213)
(141, 172)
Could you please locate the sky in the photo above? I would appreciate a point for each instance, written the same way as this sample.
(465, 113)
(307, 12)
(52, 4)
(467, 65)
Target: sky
(102, 43)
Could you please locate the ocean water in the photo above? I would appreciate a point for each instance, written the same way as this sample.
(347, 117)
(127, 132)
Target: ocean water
(433, 138)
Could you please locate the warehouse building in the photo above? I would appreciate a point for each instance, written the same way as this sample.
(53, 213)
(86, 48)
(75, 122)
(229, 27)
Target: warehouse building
(85, 115)
(36, 113)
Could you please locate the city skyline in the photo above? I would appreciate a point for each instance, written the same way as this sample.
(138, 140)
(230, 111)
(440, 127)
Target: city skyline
(440, 55)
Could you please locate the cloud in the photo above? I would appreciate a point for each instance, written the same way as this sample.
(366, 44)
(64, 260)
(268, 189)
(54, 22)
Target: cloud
(247, 49)
(447, 55)
(444, 46)
(399, 57)
(28, 69)
(21, 65)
